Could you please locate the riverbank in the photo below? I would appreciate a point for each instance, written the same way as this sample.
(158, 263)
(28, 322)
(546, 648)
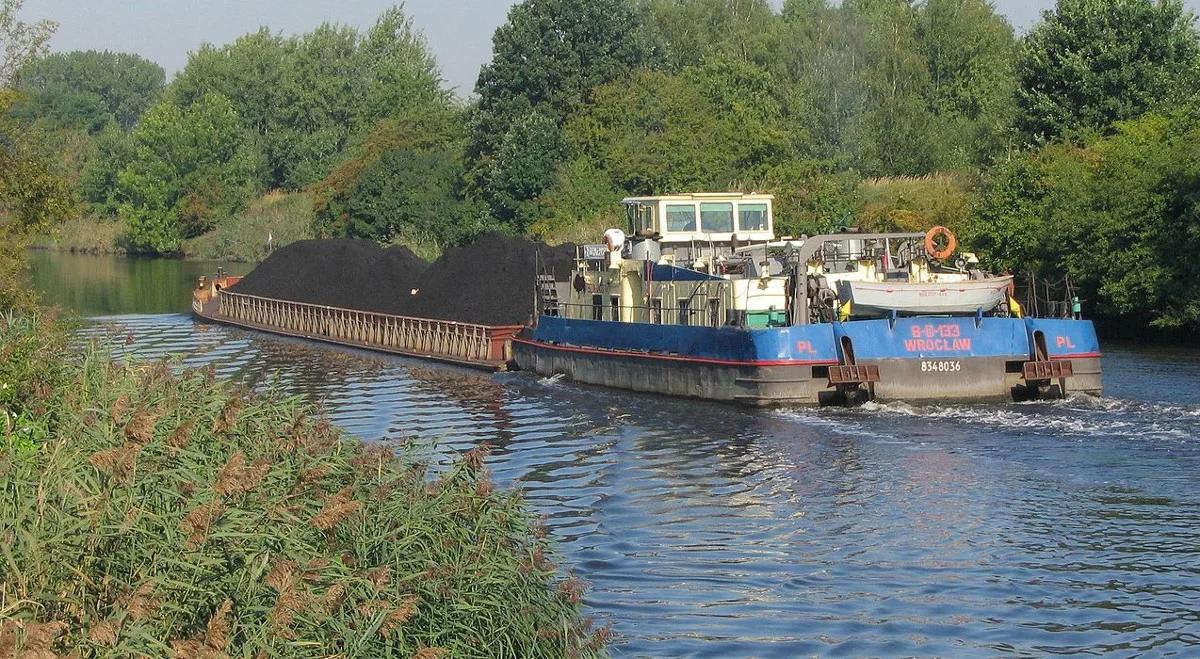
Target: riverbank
(271, 221)
(166, 513)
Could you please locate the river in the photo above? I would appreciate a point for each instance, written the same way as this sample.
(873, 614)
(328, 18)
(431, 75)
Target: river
(713, 531)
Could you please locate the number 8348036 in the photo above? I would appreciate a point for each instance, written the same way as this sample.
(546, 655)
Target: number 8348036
(941, 366)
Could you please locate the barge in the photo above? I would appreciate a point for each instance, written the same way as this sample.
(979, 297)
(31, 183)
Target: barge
(701, 300)
(487, 347)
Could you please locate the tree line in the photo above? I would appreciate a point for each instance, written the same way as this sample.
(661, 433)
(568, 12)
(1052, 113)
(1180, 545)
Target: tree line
(1070, 149)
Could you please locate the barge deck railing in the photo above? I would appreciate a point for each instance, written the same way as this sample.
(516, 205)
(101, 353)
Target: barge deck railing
(478, 345)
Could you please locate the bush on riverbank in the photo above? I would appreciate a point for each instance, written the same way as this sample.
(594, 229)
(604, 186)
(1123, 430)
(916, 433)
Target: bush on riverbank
(153, 514)
(282, 217)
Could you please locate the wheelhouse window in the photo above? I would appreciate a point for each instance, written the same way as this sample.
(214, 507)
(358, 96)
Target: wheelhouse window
(752, 217)
(716, 218)
(681, 217)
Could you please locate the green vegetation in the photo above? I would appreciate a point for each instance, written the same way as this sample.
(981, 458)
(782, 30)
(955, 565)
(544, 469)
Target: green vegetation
(89, 90)
(155, 514)
(270, 221)
(878, 113)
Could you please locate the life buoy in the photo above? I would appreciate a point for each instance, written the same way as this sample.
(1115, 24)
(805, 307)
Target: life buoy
(931, 246)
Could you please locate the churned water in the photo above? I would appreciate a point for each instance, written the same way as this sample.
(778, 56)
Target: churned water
(713, 531)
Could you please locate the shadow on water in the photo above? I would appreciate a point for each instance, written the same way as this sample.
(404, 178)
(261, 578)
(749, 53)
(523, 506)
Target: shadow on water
(709, 530)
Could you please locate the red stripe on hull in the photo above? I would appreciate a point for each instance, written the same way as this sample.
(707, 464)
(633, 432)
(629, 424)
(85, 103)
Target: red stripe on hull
(677, 358)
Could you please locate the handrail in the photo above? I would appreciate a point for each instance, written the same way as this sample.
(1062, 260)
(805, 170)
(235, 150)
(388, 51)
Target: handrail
(447, 339)
(373, 313)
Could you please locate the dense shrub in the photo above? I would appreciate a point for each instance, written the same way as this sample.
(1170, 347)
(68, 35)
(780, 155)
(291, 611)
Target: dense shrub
(153, 515)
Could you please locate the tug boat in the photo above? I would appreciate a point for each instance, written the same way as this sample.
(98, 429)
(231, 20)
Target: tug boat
(699, 298)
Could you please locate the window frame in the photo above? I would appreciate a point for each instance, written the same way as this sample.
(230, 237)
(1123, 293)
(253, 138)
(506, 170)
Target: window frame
(727, 205)
(667, 228)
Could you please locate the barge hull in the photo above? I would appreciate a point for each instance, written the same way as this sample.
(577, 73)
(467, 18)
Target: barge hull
(925, 359)
(801, 384)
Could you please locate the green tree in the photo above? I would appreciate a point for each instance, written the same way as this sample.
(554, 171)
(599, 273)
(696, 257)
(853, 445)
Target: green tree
(971, 53)
(402, 184)
(657, 133)
(191, 168)
(99, 185)
(89, 89)
(862, 68)
(524, 166)
(32, 197)
(311, 96)
(1090, 63)
(20, 42)
(692, 31)
(547, 58)
(1119, 215)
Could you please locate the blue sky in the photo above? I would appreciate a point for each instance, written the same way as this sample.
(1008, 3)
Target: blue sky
(459, 31)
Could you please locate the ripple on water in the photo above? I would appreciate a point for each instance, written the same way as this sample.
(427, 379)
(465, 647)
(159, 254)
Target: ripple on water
(894, 529)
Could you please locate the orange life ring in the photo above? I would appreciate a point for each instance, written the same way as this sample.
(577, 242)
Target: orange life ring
(931, 247)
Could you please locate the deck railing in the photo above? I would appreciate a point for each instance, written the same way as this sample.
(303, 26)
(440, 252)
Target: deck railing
(464, 342)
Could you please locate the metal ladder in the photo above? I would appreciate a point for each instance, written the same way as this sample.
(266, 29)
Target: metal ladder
(548, 294)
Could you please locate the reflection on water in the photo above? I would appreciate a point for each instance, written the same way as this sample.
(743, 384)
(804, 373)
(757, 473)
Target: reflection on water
(709, 530)
(97, 285)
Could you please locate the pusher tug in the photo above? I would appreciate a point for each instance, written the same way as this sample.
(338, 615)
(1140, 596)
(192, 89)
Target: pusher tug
(701, 299)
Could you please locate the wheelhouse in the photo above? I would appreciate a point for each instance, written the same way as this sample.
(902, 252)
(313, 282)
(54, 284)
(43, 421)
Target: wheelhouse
(719, 217)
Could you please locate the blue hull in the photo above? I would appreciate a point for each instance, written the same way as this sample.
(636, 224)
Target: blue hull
(914, 358)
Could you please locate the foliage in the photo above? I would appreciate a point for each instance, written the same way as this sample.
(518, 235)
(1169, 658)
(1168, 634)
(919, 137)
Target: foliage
(656, 133)
(897, 88)
(20, 42)
(99, 185)
(403, 183)
(33, 199)
(547, 59)
(89, 89)
(689, 32)
(970, 51)
(811, 197)
(906, 203)
(1090, 63)
(268, 222)
(153, 514)
(580, 205)
(1118, 215)
(192, 168)
(310, 96)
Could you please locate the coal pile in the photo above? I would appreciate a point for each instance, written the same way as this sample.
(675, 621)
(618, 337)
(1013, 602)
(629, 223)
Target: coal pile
(489, 282)
(492, 281)
(352, 274)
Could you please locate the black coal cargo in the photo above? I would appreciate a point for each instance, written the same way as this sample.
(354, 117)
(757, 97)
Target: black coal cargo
(492, 281)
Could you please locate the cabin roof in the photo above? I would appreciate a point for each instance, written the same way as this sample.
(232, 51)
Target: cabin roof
(702, 196)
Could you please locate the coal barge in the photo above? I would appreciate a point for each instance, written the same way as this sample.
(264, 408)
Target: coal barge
(698, 299)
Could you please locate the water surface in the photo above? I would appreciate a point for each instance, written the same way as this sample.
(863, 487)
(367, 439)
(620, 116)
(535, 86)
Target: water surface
(92, 285)
(714, 531)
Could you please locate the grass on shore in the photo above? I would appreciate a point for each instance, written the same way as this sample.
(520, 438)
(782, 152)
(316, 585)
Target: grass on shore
(154, 514)
(284, 217)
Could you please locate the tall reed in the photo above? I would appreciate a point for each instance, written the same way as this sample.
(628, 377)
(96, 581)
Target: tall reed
(168, 514)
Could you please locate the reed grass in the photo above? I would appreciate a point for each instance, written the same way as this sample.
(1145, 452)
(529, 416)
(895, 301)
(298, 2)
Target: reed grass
(164, 514)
